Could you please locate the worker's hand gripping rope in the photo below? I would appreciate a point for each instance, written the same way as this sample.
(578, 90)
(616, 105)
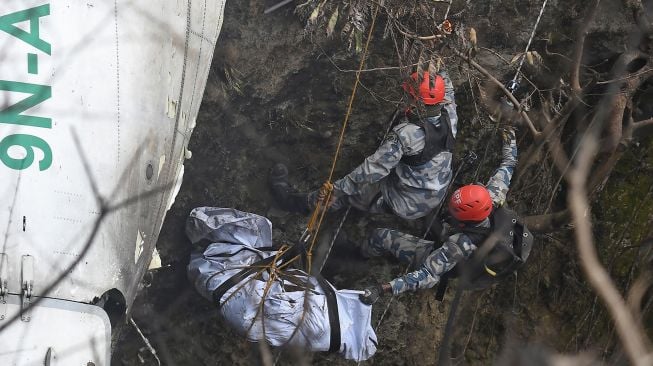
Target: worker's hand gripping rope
(325, 198)
(327, 194)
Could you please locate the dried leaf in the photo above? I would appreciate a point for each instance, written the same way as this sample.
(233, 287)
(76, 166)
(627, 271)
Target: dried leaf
(359, 40)
(332, 23)
(350, 39)
(529, 58)
(357, 17)
(515, 58)
(315, 13)
(387, 30)
(302, 5)
(537, 56)
(432, 68)
(346, 30)
(406, 46)
(472, 37)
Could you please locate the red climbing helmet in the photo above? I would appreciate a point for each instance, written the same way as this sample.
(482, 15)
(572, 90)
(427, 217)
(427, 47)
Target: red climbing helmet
(430, 88)
(470, 203)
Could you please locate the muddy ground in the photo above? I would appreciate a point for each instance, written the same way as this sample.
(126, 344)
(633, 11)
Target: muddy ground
(277, 94)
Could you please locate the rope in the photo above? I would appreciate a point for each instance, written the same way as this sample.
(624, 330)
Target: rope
(277, 6)
(353, 95)
(444, 352)
(428, 228)
(521, 62)
(446, 13)
(326, 191)
(325, 194)
(335, 236)
(146, 341)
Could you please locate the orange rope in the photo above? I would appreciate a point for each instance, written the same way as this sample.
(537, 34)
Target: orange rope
(353, 95)
(322, 206)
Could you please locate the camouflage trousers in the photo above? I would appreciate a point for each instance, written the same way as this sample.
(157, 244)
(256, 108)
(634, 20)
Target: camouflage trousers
(368, 199)
(407, 248)
(425, 262)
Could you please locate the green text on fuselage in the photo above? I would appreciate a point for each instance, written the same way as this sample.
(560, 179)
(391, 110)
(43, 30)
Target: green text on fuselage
(14, 114)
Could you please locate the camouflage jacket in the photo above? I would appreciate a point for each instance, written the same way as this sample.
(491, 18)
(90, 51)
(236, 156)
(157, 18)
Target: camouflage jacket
(459, 246)
(410, 191)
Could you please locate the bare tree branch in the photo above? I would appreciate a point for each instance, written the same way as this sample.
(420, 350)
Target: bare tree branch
(638, 292)
(639, 14)
(643, 123)
(505, 91)
(548, 222)
(578, 50)
(630, 332)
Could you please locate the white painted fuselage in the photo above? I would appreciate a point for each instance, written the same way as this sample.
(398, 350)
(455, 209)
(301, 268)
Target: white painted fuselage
(98, 100)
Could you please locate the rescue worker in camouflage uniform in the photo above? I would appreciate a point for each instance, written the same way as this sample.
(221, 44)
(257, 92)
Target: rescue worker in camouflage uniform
(471, 205)
(409, 173)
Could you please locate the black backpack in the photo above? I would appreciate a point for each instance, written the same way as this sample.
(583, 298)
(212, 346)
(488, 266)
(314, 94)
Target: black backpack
(512, 248)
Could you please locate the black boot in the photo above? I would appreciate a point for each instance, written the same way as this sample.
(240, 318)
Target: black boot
(286, 196)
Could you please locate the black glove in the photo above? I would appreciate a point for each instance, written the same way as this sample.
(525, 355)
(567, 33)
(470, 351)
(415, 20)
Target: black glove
(512, 86)
(372, 294)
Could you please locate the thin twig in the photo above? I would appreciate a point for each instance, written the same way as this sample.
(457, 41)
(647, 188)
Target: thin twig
(471, 328)
(505, 91)
(634, 75)
(521, 74)
(415, 36)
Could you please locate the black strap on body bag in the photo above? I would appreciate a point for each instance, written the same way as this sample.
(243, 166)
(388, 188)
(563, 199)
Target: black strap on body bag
(335, 337)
